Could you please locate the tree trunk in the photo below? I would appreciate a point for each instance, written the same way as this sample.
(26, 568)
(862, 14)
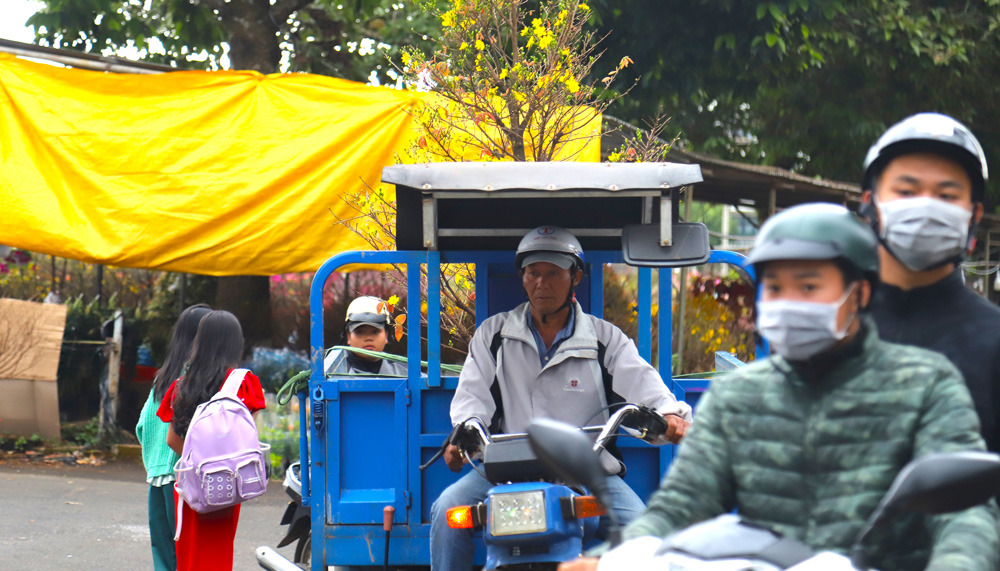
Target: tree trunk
(249, 299)
(253, 34)
(253, 45)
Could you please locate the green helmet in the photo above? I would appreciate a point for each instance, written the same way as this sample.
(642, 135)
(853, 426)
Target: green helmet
(818, 231)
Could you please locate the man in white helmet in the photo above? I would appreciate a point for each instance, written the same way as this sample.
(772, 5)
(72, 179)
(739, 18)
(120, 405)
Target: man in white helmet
(366, 327)
(924, 186)
(546, 358)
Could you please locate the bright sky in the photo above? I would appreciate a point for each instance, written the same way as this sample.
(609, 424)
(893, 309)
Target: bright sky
(13, 13)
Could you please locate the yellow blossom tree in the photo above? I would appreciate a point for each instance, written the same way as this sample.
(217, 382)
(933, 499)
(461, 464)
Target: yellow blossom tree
(506, 83)
(511, 83)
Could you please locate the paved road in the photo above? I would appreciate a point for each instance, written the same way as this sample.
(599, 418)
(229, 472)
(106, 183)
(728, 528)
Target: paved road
(83, 518)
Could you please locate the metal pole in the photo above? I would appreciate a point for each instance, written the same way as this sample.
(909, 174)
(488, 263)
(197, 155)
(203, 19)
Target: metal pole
(108, 430)
(81, 62)
(114, 370)
(681, 331)
(725, 226)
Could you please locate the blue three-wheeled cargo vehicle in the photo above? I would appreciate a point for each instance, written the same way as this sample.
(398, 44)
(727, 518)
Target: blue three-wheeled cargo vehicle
(364, 439)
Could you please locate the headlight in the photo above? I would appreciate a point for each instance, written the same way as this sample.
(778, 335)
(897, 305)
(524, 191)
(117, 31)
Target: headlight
(519, 512)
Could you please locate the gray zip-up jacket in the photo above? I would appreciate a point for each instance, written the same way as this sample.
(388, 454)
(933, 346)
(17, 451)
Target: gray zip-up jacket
(388, 368)
(569, 388)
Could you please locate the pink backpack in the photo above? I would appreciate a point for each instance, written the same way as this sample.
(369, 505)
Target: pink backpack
(223, 461)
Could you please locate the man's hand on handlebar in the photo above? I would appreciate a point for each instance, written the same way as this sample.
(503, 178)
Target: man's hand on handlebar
(454, 459)
(677, 428)
(580, 564)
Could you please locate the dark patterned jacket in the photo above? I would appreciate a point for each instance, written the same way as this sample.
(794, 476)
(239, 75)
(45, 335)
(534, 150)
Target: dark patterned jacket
(949, 318)
(811, 452)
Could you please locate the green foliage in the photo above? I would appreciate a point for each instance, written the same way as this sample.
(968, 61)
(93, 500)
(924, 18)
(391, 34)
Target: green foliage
(346, 39)
(165, 307)
(82, 433)
(804, 84)
(718, 317)
(279, 427)
(275, 366)
(21, 443)
(80, 364)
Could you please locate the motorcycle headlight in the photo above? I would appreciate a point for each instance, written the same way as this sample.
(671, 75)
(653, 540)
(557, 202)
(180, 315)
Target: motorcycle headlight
(518, 512)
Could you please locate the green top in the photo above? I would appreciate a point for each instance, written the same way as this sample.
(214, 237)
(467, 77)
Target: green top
(810, 456)
(158, 458)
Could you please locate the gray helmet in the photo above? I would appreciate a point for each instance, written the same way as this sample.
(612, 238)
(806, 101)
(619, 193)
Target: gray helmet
(818, 231)
(549, 244)
(930, 133)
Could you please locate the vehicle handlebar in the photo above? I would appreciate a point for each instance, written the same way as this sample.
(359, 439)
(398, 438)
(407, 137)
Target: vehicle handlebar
(472, 435)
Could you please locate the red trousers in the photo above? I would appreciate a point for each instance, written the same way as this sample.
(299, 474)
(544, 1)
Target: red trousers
(206, 542)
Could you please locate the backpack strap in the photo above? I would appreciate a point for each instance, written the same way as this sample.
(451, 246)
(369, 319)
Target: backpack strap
(233, 381)
(495, 345)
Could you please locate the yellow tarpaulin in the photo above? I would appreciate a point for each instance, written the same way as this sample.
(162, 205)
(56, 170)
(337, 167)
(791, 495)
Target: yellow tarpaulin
(220, 173)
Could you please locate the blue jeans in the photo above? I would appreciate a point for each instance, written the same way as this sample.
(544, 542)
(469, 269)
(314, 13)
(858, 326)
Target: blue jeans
(451, 549)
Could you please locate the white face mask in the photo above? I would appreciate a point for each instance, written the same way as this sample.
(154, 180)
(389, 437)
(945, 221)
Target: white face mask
(799, 330)
(923, 232)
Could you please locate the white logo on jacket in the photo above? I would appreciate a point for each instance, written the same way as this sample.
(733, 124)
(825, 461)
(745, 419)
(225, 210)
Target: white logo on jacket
(574, 386)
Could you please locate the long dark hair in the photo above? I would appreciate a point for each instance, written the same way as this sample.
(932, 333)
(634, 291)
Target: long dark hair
(217, 346)
(179, 349)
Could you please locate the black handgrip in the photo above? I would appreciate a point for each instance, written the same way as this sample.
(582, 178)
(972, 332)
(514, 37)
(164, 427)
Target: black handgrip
(463, 437)
(652, 425)
(466, 439)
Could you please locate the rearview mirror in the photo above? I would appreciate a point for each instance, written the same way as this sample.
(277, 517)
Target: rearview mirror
(938, 483)
(945, 482)
(689, 245)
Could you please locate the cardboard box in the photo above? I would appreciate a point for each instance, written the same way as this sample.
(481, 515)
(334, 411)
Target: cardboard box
(30, 341)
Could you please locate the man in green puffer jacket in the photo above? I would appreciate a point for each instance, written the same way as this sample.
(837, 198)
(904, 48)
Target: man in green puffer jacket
(808, 441)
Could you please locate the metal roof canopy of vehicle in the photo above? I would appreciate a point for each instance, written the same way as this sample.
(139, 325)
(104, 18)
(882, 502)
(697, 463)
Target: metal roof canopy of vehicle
(547, 176)
(491, 205)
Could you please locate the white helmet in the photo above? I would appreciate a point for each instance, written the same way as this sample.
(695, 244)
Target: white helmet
(549, 244)
(366, 311)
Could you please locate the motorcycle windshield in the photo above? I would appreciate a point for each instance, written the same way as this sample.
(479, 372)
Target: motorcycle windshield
(728, 537)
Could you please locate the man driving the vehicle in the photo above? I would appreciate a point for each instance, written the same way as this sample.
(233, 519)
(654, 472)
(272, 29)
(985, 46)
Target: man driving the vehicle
(807, 441)
(546, 359)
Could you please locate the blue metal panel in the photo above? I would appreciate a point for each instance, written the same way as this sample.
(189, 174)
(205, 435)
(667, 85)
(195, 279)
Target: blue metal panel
(725, 361)
(594, 280)
(665, 338)
(645, 316)
(363, 434)
(433, 325)
(665, 351)
(505, 288)
(331, 410)
(364, 546)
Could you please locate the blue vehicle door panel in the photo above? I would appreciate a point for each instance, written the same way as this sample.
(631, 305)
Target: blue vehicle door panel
(365, 452)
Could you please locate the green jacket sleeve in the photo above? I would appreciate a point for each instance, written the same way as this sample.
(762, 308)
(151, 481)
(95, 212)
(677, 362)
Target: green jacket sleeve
(700, 482)
(968, 540)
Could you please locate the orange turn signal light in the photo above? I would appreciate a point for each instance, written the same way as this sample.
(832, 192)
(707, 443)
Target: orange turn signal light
(587, 506)
(460, 517)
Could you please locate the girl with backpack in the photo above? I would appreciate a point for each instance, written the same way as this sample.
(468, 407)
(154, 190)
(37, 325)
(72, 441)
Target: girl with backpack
(206, 540)
(157, 457)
